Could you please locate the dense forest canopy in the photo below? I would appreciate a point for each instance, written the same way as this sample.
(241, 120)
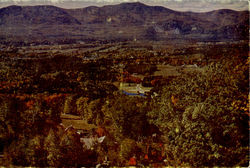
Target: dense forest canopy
(197, 116)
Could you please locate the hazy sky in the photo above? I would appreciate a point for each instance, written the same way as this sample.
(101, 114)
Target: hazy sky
(180, 5)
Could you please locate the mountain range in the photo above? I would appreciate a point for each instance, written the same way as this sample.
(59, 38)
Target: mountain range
(126, 21)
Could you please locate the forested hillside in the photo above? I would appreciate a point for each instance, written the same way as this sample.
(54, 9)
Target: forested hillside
(195, 114)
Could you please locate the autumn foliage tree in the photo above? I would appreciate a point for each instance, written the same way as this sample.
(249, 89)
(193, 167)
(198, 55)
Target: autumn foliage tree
(199, 120)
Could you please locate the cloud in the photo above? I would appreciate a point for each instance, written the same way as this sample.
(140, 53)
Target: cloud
(120, 1)
(181, 5)
(115, 1)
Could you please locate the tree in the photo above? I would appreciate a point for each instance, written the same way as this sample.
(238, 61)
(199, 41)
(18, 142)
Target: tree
(200, 125)
(72, 150)
(90, 110)
(52, 148)
(127, 115)
(69, 105)
(127, 150)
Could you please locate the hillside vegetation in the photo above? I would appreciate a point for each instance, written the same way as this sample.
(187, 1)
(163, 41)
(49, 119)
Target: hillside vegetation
(196, 119)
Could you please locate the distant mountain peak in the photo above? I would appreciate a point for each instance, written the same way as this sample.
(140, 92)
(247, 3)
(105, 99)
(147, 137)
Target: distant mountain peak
(123, 21)
(35, 15)
(133, 3)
